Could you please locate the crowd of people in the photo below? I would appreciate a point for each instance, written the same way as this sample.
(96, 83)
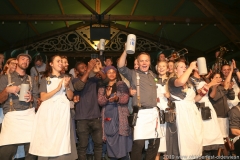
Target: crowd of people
(103, 110)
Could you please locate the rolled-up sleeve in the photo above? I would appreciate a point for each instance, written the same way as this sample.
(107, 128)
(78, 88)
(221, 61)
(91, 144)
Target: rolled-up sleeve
(78, 85)
(234, 118)
(126, 72)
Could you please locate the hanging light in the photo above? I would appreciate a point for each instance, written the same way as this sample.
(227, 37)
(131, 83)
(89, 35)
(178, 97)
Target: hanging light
(174, 24)
(160, 23)
(145, 23)
(19, 22)
(188, 24)
(201, 24)
(35, 22)
(215, 25)
(2, 22)
(51, 22)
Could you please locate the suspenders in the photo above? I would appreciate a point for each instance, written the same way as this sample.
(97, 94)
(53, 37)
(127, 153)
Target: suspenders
(10, 95)
(138, 90)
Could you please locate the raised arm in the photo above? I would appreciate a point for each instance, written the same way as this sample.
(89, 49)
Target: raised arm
(236, 70)
(90, 67)
(180, 81)
(228, 79)
(122, 59)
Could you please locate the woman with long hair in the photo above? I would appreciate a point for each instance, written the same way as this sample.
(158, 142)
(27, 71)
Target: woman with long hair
(188, 118)
(162, 100)
(52, 136)
(212, 136)
(218, 95)
(114, 99)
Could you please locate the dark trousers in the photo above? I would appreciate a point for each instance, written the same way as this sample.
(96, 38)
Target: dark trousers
(84, 128)
(151, 151)
(237, 148)
(8, 152)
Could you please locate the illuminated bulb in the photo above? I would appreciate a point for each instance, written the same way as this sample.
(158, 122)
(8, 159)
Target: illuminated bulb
(3, 22)
(35, 22)
(188, 24)
(174, 24)
(145, 23)
(160, 23)
(19, 22)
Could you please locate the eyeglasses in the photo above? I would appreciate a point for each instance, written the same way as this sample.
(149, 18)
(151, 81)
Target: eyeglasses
(12, 63)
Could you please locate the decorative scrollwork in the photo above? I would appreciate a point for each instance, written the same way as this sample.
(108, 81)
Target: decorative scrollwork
(66, 42)
(143, 44)
(79, 40)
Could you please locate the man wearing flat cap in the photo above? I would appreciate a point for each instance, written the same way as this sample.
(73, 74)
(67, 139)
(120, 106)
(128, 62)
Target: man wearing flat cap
(18, 114)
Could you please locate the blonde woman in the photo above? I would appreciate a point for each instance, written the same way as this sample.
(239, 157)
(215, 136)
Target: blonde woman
(188, 118)
(162, 100)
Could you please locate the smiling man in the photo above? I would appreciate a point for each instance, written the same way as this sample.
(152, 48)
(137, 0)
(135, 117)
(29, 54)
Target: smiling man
(18, 115)
(147, 125)
(87, 109)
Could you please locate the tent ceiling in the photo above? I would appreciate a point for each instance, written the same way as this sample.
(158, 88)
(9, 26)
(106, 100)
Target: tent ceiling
(199, 25)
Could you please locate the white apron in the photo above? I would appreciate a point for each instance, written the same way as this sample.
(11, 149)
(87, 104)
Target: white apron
(224, 126)
(190, 127)
(17, 127)
(146, 124)
(232, 103)
(162, 105)
(51, 131)
(211, 129)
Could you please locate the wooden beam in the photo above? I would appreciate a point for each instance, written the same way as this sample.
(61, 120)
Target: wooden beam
(226, 27)
(224, 7)
(192, 51)
(194, 33)
(20, 12)
(45, 35)
(111, 7)
(98, 6)
(88, 7)
(133, 10)
(62, 10)
(172, 13)
(89, 18)
(217, 47)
